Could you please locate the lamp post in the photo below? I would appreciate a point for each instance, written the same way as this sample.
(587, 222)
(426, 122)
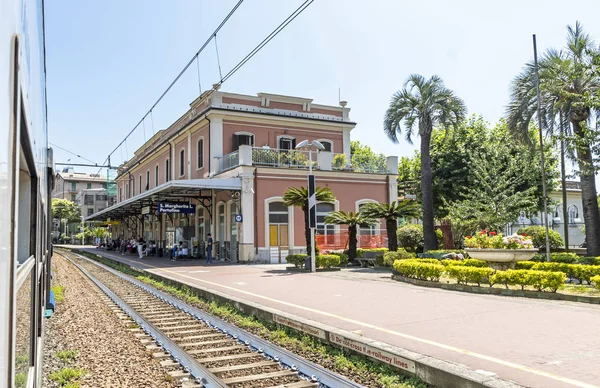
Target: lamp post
(312, 200)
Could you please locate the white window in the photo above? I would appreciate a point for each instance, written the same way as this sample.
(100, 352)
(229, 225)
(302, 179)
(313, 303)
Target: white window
(573, 214)
(323, 210)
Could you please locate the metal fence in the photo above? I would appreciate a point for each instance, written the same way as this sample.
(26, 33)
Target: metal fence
(274, 157)
(230, 160)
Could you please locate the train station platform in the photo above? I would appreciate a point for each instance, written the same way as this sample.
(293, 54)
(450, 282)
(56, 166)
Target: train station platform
(535, 343)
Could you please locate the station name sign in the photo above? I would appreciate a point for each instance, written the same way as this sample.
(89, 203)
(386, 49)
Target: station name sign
(180, 208)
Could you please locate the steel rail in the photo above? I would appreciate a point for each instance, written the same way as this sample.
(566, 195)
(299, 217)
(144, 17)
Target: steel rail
(200, 373)
(315, 372)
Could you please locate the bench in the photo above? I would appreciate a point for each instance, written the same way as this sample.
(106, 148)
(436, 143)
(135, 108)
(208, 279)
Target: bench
(364, 261)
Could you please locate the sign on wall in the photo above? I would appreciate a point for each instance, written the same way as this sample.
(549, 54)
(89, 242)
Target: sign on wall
(181, 208)
(146, 210)
(239, 218)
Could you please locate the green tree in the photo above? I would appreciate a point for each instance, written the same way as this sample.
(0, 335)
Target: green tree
(424, 104)
(63, 209)
(353, 220)
(569, 78)
(452, 165)
(495, 200)
(391, 212)
(409, 175)
(364, 159)
(298, 197)
(99, 232)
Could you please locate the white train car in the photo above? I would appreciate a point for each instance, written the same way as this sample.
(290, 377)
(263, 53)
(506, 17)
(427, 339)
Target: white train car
(25, 184)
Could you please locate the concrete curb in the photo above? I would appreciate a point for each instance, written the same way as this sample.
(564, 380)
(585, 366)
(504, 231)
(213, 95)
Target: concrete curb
(499, 291)
(433, 371)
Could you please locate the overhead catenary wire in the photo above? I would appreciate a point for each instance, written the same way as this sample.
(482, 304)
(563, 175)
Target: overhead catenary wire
(72, 153)
(244, 60)
(235, 7)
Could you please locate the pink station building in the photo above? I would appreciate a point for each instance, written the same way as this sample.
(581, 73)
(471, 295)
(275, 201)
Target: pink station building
(223, 167)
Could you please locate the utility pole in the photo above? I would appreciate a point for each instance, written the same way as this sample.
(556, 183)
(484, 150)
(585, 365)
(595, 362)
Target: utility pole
(543, 161)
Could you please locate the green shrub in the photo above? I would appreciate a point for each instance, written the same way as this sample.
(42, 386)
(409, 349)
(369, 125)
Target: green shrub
(410, 237)
(590, 260)
(401, 254)
(465, 274)
(596, 281)
(466, 263)
(554, 267)
(524, 264)
(419, 270)
(564, 257)
(538, 258)
(540, 280)
(539, 236)
(584, 272)
(326, 261)
(428, 261)
(297, 260)
(343, 257)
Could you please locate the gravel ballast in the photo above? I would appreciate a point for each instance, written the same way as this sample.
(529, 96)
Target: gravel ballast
(106, 350)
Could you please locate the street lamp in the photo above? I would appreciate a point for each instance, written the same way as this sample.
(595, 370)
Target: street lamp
(312, 201)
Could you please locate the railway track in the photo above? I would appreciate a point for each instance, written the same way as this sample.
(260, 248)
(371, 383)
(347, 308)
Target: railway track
(199, 348)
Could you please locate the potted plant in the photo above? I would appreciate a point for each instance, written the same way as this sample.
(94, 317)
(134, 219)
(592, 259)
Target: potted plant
(499, 251)
(339, 161)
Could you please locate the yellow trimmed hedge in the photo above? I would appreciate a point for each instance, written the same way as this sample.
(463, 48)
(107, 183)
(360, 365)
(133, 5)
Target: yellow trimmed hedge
(596, 281)
(466, 263)
(418, 269)
(540, 280)
(401, 254)
(464, 274)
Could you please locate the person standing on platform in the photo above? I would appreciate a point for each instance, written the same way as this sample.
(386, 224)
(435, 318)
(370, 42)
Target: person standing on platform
(140, 247)
(209, 244)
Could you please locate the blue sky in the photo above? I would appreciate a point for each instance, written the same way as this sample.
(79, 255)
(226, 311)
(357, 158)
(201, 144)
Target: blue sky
(108, 61)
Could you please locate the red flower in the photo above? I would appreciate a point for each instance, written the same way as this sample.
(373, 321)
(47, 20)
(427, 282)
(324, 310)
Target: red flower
(492, 233)
(482, 232)
(468, 236)
(524, 235)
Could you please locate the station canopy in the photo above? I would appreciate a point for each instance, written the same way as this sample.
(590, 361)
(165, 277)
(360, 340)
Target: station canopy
(178, 191)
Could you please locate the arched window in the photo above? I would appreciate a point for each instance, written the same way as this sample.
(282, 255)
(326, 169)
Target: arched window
(286, 143)
(278, 233)
(200, 153)
(181, 162)
(328, 144)
(573, 214)
(241, 138)
(323, 210)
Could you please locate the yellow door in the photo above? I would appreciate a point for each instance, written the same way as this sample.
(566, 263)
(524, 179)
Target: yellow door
(274, 235)
(283, 235)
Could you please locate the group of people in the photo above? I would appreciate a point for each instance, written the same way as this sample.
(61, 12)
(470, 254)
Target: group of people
(131, 246)
(182, 250)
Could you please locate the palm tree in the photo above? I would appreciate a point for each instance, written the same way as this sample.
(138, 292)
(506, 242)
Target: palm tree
(353, 220)
(423, 103)
(405, 208)
(567, 80)
(298, 197)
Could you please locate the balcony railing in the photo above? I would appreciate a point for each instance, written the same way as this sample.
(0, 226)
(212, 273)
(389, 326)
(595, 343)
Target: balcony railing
(230, 160)
(274, 157)
(298, 159)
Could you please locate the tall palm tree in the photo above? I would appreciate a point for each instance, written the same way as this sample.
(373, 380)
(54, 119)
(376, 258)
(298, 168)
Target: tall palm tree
(405, 208)
(423, 104)
(567, 79)
(298, 197)
(353, 220)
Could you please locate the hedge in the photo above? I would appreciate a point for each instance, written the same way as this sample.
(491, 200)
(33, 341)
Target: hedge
(410, 237)
(466, 263)
(582, 272)
(419, 270)
(343, 257)
(466, 274)
(297, 260)
(390, 257)
(564, 257)
(539, 236)
(540, 280)
(326, 261)
(596, 281)
(525, 264)
(589, 260)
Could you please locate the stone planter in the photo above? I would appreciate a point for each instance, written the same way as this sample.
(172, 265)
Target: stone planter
(501, 258)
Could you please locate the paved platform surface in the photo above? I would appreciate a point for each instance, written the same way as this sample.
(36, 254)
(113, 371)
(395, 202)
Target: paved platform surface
(535, 343)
